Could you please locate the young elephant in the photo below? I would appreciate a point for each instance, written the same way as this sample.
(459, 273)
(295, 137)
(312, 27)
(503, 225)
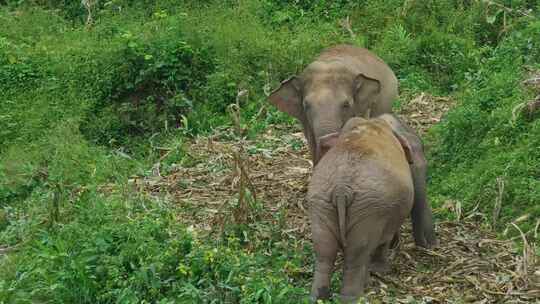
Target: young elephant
(360, 193)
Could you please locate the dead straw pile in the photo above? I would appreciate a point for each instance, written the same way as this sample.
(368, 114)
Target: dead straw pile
(471, 265)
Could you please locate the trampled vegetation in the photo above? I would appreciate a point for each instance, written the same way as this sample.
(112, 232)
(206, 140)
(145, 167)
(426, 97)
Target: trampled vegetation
(89, 108)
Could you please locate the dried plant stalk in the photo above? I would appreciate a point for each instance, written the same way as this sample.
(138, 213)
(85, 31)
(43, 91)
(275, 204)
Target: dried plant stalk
(498, 201)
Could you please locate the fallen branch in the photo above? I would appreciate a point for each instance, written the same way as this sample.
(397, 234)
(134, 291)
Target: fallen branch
(526, 251)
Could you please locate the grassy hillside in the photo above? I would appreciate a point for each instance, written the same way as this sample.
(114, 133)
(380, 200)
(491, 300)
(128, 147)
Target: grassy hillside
(84, 107)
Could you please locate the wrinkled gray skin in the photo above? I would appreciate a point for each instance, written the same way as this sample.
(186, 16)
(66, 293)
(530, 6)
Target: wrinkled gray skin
(360, 193)
(344, 82)
(422, 218)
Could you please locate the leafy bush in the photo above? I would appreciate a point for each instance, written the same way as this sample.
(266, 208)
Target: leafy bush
(152, 88)
(282, 12)
(482, 139)
(130, 84)
(104, 256)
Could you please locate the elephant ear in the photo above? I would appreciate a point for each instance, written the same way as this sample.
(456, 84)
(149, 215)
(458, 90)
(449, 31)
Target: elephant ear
(398, 129)
(406, 146)
(366, 94)
(287, 98)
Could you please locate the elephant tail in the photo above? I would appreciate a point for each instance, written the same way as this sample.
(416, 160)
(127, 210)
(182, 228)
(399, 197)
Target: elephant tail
(342, 197)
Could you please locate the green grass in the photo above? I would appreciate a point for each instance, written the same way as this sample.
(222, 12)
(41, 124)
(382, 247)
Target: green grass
(132, 250)
(85, 107)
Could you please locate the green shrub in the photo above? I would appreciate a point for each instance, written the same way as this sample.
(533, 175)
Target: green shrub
(283, 12)
(152, 88)
(483, 139)
(104, 256)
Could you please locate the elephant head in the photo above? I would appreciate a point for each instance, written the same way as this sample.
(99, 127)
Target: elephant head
(323, 98)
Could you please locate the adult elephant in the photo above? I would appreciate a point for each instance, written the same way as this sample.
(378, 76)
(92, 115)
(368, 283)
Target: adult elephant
(345, 82)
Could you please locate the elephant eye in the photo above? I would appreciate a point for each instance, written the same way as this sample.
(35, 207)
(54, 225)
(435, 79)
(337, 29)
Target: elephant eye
(307, 105)
(346, 104)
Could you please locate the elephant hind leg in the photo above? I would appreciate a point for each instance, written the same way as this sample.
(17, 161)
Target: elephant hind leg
(355, 271)
(362, 241)
(379, 259)
(326, 246)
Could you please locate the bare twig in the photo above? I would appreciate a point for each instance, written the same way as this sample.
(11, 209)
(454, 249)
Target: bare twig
(241, 212)
(235, 116)
(89, 5)
(260, 113)
(242, 171)
(532, 107)
(458, 210)
(524, 266)
(516, 110)
(346, 24)
(498, 201)
(6, 250)
(505, 8)
(532, 81)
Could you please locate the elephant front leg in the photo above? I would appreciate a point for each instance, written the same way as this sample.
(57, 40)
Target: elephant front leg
(326, 246)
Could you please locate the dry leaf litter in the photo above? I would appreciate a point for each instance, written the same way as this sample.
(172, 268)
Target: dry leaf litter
(469, 266)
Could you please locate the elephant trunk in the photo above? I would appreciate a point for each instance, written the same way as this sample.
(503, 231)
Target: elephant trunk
(327, 142)
(322, 130)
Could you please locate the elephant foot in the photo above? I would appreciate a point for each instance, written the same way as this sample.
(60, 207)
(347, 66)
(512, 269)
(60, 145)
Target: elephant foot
(379, 267)
(427, 240)
(431, 240)
(321, 293)
(350, 299)
(379, 259)
(431, 244)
